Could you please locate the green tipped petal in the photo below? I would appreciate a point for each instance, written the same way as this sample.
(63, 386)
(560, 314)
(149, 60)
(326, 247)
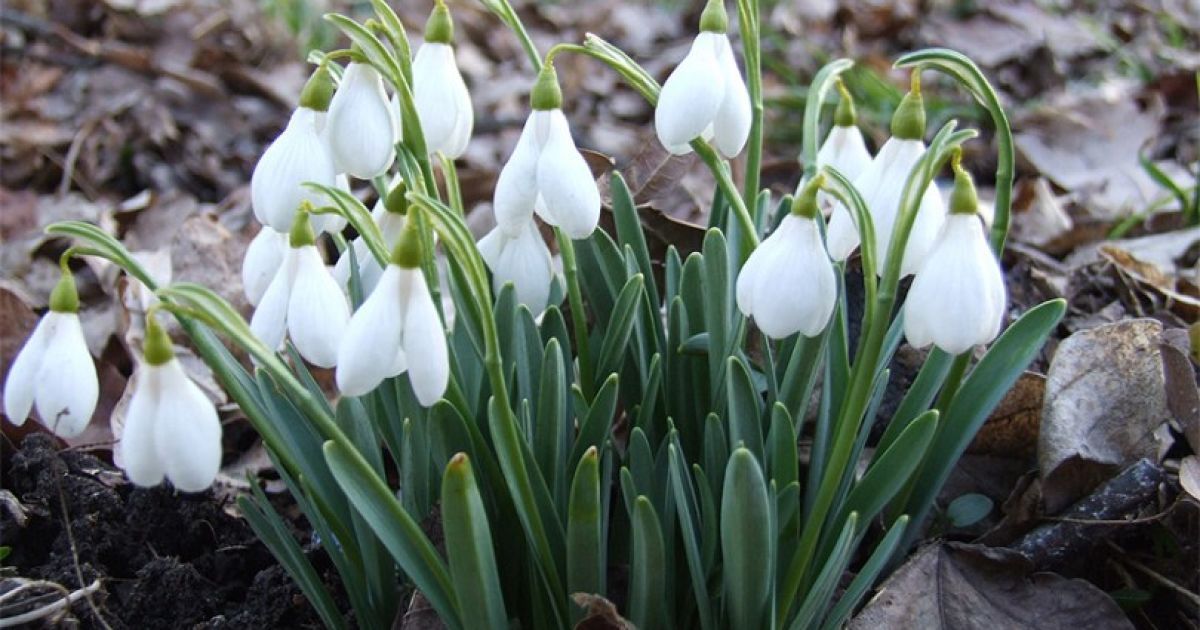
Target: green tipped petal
(546, 92)
(439, 29)
(908, 123)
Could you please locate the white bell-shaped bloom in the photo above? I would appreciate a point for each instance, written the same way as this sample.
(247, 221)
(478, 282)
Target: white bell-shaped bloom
(882, 186)
(391, 224)
(442, 101)
(957, 300)
(397, 321)
(263, 258)
(171, 430)
(298, 155)
(520, 256)
(359, 127)
(547, 173)
(304, 302)
(788, 284)
(704, 97)
(54, 372)
(844, 150)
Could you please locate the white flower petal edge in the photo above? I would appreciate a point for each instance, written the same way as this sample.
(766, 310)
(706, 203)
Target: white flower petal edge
(692, 95)
(372, 340)
(792, 287)
(845, 150)
(269, 322)
(731, 125)
(882, 186)
(298, 155)
(22, 380)
(424, 337)
(523, 259)
(442, 101)
(517, 187)
(317, 311)
(359, 126)
(958, 298)
(66, 387)
(565, 182)
(137, 453)
(262, 261)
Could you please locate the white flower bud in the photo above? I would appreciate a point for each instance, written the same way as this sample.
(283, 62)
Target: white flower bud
(788, 284)
(844, 150)
(306, 303)
(958, 298)
(171, 429)
(442, 101)
(704, 97)
(298, 155)
(54, 372)
(359, 127)
(521, 257)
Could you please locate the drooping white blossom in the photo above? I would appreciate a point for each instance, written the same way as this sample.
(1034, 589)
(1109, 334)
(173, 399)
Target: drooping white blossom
(171, 430)
(305, 303)
(442, 101)
(844, 150)
(263, 258)
(391, 224)
(297, 156)
(788, 283)
(704, 97)
(397, 329)
(517, 254)
(54, 372)
(359, 127)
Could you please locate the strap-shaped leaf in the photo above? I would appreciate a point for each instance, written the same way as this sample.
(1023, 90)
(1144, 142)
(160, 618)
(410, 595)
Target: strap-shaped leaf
(866, 577)
(585, 549)
(620, 327)
(594, 428)
(688, 511)
(826, 581)
(747, 542)
(469, 547)
(745, 413)
(647, 577)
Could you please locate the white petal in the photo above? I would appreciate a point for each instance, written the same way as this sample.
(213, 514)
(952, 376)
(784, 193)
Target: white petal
(359, 126)
(516, 188)
(691, 96)
(22, 375)
(522, 259)
(67, 388)
(138, 453)
(438, 91)
(317, 312)
(844, 150)
(928, 224)
(269, 322)
(566, 183)
(882, 186)
(188, 438)
(796, 289)
(372, 340)
(424, 337)
(298, 155)
(731, 126)
(752, 270)
(464, 123)
(262, 261)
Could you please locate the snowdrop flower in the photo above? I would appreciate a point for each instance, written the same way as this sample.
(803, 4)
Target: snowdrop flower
(517, 254)
(359, 127)
(957, 300)
(54, 370)
(388, 214)
(440, 95)
(546, 172)
(705, 96)
(882, 186)
(263, 258)
(171, 427)
(398, 321)
(788, 284)
(843, 149)
(298, 155)
(303, 301)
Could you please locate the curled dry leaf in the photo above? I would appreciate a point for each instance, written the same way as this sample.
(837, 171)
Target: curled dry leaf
(1105, 398)
(964, 587)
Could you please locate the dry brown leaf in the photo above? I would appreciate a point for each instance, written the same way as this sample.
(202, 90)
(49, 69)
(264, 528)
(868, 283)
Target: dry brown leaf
(963, 587)
(1105, 397)
(1038, 216)
(601, 614)
(1189, 475)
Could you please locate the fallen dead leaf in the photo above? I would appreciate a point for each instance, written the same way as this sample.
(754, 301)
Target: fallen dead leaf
(1189, 475)
(1012, 429)
(963, 587)
(601, 614)
(1038, 216)
(1105, 397)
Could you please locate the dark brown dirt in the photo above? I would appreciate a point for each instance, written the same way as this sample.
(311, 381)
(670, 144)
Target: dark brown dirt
(166, 560)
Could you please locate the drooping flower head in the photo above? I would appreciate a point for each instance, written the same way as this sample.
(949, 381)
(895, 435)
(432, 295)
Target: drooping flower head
(844, 148)
(303, 301)
(442, 101)
(171, 428)
(359, 127)
(788, 283)
(389, 214)
(397, 329)
(517, 254)
(882, 186)
(546, 173)
(705, 96)
(296, 156)
(957, 299)
(54, 371)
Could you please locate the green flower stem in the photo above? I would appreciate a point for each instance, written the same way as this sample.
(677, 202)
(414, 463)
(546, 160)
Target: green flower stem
(566, 247)
(953, 379)
(720, 170)
(824, 80)
(453, 189)
(749, 25)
